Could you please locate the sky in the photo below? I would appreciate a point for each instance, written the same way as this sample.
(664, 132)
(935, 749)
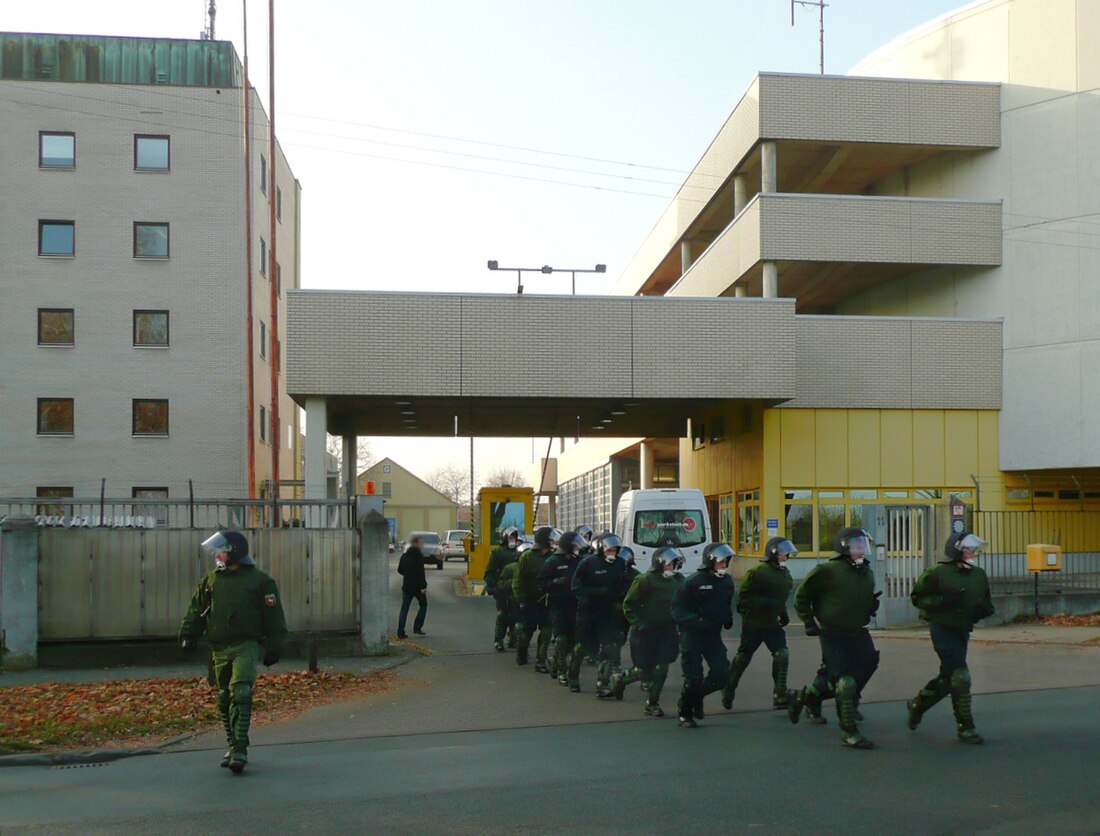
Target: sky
(573, 122)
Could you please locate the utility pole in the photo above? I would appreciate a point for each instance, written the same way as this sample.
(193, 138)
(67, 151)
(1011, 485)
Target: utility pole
(820, 6)
(272, 276)
(250, 397)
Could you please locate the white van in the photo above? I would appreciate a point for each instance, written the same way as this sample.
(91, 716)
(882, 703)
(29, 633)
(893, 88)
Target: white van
(648, 519)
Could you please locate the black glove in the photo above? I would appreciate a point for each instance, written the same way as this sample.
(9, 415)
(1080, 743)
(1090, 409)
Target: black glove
(188, 644)
(878, 600)
(270, 658)
(784, 619)
(812, 628)
(728, 625)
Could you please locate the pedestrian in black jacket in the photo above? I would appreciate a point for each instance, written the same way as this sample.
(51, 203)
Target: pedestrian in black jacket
(414, 585)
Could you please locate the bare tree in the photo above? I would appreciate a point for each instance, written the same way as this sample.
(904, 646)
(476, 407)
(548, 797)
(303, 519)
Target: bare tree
(451, 481)
(504, 475)
(364, 457)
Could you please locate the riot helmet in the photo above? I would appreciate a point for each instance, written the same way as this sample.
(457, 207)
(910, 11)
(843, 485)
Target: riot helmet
(668, 561)
(232, 544)
(571, 543)
(965, 546)
(854, 543)
(716, 558)
(585, 531)
(627, 555)
(609, 543)
(508, 535)
(546, 537)
(778, 549)
(524, 547)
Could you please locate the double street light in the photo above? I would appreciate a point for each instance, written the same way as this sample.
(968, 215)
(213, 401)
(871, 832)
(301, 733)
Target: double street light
(547, 269)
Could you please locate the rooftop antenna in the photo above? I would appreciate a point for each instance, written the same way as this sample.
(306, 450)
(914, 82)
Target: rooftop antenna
(818, 4)
(207, 33)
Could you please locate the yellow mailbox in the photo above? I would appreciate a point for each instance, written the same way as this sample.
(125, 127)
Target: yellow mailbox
(1042, 557)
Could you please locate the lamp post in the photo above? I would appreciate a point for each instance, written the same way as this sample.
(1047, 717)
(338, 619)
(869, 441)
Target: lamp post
(546, 269)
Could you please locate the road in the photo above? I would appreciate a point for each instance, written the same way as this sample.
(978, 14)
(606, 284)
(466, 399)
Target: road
(470, 743)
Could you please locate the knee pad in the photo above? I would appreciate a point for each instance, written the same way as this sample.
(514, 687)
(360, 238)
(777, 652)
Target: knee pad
(783, 654)
(242, 693)
(846, 687)
(741, 660)
(960, 678)
(693, 685)
(223, 699)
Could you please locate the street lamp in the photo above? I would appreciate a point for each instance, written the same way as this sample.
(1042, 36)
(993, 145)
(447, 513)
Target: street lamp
(546, 269)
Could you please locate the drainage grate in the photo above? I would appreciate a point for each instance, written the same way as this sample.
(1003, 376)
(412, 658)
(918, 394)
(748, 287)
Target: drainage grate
(81, 765)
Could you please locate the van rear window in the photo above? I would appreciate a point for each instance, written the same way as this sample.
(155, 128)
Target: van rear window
(669, 528)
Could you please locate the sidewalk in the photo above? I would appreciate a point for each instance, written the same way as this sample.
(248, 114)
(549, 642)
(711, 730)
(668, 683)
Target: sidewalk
(1010, 634)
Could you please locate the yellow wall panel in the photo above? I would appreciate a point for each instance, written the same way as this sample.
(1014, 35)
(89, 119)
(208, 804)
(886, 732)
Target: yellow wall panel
(831, 449)
(771, 501)
(960, 442)
(797, 447)
(864, 448)
(896, 445)
(928, 448)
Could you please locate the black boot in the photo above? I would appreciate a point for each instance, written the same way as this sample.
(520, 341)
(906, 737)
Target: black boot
(960, 702)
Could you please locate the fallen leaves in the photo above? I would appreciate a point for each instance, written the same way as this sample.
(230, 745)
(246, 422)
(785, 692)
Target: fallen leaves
(60, 715)
(1063, 620)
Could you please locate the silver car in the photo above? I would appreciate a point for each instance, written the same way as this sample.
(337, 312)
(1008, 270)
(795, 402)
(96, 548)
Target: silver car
(430, 546)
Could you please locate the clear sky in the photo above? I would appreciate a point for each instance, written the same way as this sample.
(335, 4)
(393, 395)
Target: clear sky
(627, 94)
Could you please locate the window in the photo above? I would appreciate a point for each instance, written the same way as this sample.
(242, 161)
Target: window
(830, 517)
(151, 152)
(279, 204)
(698, 435)
(278, 346)
(55, 416)
(263, 340)
(290, 436)
(387, 489)
(263, 174)
(278, 279)
(150, 416)
(717, 430)
(725, 518)
(157, 512)
(150, 240)
(56, 149)
(263, 257)
(55, 509)
(55, 326)
(672, 528)
(57, 238)
(799, 519)
(263, 423)
(151, 329)
(748, 521)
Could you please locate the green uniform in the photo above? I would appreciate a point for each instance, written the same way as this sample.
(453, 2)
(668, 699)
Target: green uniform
(236, 609)
(525, 585)
(533, 613)
(505, 622)
(952, 599)
(654, 642)
(763, 608)
(838, 596)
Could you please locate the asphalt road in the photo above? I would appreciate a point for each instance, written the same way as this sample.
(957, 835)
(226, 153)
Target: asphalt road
(470, 743)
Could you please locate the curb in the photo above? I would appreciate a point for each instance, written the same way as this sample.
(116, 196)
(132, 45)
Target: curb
(91, 757)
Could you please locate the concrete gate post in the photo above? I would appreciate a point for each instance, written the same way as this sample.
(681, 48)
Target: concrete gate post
(374, 564)
(18, 593)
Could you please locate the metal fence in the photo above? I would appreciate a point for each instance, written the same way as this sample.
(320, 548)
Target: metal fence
(1010, 532)
(105, 512)
(126, 583)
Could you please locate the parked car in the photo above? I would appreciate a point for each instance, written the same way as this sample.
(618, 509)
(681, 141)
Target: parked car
(454, 544)
(430, 546)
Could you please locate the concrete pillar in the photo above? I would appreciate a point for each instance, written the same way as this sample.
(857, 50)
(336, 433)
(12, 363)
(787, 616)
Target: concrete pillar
(18, 593)
(771, 280)
(351, 464)
(685, 256)
(645, 454)
(739, 291)
(374, 583)
(740, 193)
(768, 167)
(316, 429)
(552, 509)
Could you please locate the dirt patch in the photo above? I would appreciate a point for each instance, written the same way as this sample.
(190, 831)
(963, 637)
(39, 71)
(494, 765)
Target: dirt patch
(135, 712)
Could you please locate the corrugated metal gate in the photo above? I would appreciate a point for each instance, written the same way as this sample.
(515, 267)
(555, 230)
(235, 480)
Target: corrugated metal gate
(98, 583)
(904, 535)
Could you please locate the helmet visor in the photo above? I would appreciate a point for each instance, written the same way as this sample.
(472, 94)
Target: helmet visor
(216, 542)
(786, 549)
(859, 546)
(971, 543)
(721, 553)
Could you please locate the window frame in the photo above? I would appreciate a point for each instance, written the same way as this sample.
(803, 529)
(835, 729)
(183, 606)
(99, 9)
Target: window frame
(278, 204)
(167, 241)
(45, 167)
(160, 511)
(263, 174)
(133, 418)
(263, 257)
(62, 510)
(141, 168)
(42, 223)
(167, 328)
(55, 433)
(263, 340)
(72, 315)
(263, 424)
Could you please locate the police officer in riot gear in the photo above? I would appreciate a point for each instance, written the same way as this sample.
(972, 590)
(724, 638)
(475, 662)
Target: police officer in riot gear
(702, 607)
(762, 604)
(586, 532)
(237, 606)
(836, 601)
(531, 598)
(600, 586)
(507, 552)
(952, 597)
(556, 578)
(654, 642)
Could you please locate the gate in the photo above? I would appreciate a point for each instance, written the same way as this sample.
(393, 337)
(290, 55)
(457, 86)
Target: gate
(903, 538)
(114, 583)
